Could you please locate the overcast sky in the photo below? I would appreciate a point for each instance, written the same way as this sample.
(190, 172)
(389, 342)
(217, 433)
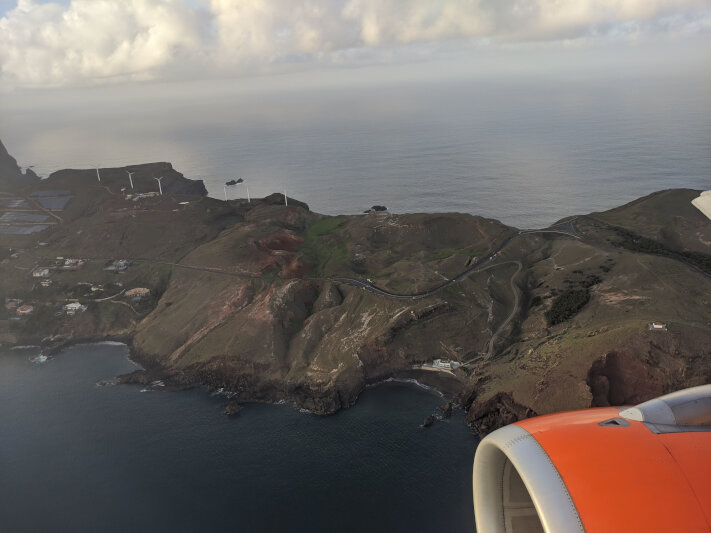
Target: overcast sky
(81, 43)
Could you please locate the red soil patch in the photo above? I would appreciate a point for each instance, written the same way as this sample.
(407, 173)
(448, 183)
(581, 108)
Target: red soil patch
(281, 240)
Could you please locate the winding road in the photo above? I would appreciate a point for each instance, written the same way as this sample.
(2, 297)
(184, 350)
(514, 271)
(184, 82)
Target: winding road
(565, 228)
(514, 310)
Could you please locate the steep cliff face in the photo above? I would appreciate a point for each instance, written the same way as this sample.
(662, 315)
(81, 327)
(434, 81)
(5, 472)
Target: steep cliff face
(272, 331)
(11, 176)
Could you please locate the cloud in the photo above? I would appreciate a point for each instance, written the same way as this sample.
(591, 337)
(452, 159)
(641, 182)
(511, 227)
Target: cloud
(99, 41)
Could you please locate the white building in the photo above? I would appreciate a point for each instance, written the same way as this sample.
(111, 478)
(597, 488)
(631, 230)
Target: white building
(40, 273)
(73, 307)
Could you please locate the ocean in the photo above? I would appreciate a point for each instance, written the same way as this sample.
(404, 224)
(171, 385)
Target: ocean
(527, 152)
(79, 455)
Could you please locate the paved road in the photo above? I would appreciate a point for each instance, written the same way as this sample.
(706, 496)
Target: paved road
(566, 228)
(514, 310)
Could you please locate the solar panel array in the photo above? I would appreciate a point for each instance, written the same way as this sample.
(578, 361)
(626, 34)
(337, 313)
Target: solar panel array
(54, 204)
(50, 192)
(21, 230)
(23, 217)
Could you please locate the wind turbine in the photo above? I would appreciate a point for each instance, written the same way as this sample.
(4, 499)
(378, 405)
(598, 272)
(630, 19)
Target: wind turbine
(129, 177)
(98, 176)
(240, 181)
(236, 182)
(160, 188)
(286, 201)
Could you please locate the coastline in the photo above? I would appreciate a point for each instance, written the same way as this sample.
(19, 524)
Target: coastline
(169, 383)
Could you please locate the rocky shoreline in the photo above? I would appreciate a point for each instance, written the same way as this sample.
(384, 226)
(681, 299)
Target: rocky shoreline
(157, 378)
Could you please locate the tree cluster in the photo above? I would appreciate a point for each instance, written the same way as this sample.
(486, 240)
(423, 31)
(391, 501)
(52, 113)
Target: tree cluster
(567, 304)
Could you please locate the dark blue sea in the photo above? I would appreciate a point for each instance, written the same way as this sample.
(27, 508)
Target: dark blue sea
(527, 151)
(77, 455)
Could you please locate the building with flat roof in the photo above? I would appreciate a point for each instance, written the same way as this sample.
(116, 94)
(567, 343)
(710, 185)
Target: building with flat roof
(138, 291)
(24, 310)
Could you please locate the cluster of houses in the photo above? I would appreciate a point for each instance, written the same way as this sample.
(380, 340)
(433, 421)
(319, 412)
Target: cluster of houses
(61, 263)
(16, 305)
(20, 309)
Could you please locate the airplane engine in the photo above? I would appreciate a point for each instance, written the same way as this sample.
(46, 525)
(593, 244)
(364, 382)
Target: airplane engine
(642, 468)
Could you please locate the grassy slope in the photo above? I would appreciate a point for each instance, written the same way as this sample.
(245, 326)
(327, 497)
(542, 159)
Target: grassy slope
(667, 217)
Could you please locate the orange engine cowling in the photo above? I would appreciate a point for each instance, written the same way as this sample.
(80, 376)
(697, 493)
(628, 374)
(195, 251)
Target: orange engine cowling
(643, 468)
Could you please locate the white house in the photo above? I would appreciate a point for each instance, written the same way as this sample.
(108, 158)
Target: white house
(73, 307)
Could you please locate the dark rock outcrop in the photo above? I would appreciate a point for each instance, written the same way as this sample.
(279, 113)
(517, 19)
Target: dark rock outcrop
(232, 409)
(620, 378)
(11, 175)
(446, 410)
(497, 412)
(329, 297)
(429, 421)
